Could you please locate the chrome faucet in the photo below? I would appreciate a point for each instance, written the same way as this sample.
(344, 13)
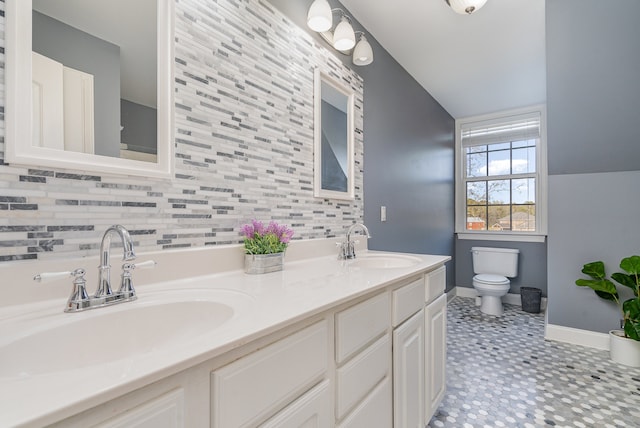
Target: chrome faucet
(347, 248)
(104, 270)
(104, 295)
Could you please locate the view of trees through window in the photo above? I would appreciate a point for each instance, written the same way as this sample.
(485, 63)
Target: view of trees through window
(501, 186)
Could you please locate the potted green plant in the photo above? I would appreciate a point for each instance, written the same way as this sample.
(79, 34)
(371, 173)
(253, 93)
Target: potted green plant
(265, 246)
(624, 344)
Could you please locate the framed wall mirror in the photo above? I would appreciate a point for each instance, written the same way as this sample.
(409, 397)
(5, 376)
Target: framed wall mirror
(333, 138)
(89, 85)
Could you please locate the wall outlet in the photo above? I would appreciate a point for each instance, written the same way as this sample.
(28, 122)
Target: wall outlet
(383, 213)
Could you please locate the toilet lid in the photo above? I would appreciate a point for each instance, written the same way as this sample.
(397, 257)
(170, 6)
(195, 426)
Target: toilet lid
(489, 278)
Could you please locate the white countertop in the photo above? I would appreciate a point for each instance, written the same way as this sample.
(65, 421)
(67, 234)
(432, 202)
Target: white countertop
(274, 300)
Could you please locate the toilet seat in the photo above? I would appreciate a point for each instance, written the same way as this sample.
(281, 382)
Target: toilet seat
(490, 279)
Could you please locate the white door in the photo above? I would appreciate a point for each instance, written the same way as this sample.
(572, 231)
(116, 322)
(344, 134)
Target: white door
(408, 373)
(435, 354)
(48, 111)
(62, 106)
(78, 111)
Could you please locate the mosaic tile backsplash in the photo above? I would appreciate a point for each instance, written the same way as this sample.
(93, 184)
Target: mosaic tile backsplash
(243, 148)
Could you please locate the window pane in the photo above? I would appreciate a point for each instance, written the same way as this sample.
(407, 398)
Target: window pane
(499, 192)
(523, 191)
(499, 218)
(477, 164)
(499, 146)
(526, 143)
(499, 163)
(524, 160)
(477, 218)
(477, 193)
(523, 218)
(476, 149)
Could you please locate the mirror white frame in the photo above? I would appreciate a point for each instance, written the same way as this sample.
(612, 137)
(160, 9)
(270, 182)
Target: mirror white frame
(341, 90)
(18, 147)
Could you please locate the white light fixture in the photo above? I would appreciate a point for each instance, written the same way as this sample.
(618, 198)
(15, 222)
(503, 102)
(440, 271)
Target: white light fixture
(362, 53)
(465, 7)
(343, 37)
(319, 17)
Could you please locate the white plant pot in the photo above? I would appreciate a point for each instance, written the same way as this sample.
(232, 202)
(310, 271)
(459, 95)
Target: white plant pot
(624, 350)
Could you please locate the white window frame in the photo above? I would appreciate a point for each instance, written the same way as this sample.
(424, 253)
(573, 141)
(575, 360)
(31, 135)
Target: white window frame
(541, 180)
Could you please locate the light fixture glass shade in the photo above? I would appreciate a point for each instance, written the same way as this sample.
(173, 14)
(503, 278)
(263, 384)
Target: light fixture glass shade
(362, 53)
(319, 16)
(465, 7)
(343, 37)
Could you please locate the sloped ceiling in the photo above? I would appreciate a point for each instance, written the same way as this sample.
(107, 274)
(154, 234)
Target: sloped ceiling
(490, 61)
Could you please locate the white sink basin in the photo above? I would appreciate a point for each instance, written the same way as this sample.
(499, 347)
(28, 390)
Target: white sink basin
(155, 322)
(383, 261)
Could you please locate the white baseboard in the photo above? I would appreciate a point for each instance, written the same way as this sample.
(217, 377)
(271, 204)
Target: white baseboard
(511, 298)
(577, 336)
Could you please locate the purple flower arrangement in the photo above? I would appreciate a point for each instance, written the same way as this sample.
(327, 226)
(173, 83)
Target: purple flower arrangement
(261, 239)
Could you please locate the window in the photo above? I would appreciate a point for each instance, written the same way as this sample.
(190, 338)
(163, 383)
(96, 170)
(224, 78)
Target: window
(501, 180)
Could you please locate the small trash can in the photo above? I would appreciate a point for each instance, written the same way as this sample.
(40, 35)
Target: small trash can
(531, 298)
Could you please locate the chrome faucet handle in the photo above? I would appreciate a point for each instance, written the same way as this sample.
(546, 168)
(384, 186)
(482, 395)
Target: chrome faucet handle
(126, 285)
(79, 299)
(343, 249)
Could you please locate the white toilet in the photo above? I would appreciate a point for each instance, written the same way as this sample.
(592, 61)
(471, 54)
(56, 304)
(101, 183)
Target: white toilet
(493, 267)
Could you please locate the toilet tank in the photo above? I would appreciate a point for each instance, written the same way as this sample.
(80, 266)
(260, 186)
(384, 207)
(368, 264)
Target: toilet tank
(497, 261)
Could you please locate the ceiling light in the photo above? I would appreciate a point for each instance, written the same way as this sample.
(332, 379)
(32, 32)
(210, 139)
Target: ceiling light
(362, 53)
(342, 37)
(319, 17)
(465, 7)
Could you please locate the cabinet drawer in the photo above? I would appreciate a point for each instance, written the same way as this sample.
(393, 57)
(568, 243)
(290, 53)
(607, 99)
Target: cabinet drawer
(312, 410)
(375, 411)
(249, 389)
(361, 324)
(407, 301)
(435, 283)
(358, 377)
(166, 411)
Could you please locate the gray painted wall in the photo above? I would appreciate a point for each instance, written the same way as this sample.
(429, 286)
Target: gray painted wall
(140, 124)
(593, 106)
(408, 155)
(532, 263)
(583, 230)
(593, 95)
(84, 52)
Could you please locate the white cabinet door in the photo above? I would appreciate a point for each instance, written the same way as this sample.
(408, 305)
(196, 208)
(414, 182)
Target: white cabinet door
(435, 354)
(166, 411)
(408, 373)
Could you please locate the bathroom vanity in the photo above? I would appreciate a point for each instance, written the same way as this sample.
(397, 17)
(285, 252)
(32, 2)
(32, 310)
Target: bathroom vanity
(325, 342)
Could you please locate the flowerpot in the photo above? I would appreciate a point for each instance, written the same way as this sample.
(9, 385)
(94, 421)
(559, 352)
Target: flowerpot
(263, 263)
(624, 350)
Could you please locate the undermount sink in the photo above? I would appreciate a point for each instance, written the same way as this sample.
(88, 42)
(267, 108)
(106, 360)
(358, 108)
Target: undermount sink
(154, 323)
(383, 261)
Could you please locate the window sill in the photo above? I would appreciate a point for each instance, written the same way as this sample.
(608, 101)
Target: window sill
(507, 237)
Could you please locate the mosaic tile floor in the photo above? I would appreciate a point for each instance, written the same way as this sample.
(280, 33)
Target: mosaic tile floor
(502, 373)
